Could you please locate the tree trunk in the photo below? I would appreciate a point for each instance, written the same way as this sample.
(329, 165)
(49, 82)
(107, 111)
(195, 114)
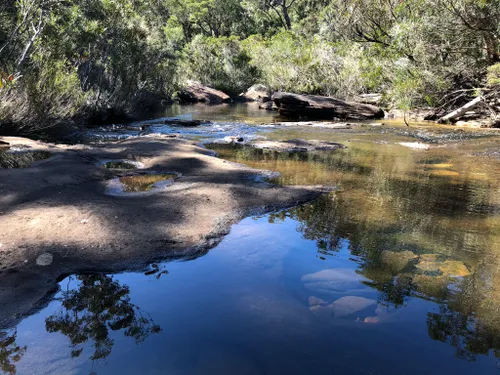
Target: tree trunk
(36, 32)
(286, 16)
(461, 111)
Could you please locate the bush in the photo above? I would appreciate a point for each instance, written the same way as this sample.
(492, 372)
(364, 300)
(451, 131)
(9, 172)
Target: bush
(220, 63)
(290, 62)
(493, 76)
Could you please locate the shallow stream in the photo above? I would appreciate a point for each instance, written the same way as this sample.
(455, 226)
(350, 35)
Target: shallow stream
(396, 271)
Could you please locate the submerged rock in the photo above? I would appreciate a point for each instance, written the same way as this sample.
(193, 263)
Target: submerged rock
(349, 305)
(397, 260)
(333, 281)
(433, 264)
(315, 301)
(257, 93)
(195, 92)
(454, 268)
(428, 266)
(430, 257)
(313, 106)
(342, 307)
(431, 285)
(297, 145)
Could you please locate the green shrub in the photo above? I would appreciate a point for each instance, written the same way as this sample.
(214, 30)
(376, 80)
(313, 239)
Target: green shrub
(291, 62)
(493, 76)
(221, 63)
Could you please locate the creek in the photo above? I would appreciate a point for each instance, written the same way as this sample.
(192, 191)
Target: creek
(396, 270)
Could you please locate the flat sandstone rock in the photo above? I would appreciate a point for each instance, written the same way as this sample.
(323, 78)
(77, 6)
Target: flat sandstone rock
(56, 218)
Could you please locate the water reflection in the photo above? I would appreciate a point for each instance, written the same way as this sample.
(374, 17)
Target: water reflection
(10, 352)
(463, 320)
(418, 225)
(397, 259)
(93, 306)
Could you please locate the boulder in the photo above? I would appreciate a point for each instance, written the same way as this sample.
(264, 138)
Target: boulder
(397, 261)
(314, 106)
(195, 92)
(268, 106)
(349, 305)
(256, 93)
(374, 99)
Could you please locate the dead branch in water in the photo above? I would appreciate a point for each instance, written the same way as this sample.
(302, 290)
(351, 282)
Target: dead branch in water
(461, 111)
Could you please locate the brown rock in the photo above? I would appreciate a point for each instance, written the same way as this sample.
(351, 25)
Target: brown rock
(313, 106)
(396, 261)
(257, 93)
(268, 106)
(195, 92)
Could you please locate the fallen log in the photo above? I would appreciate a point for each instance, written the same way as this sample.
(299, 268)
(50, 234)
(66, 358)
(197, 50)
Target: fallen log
(460, 111)
(321, 107)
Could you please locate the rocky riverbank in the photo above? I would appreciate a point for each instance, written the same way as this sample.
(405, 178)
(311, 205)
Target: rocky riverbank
(60, 216)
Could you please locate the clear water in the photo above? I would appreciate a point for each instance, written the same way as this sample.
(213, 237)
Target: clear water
(226, 120)
(397, 271)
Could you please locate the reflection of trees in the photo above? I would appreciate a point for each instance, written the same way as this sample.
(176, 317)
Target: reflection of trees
(10, 352)
(467, 318)
(464, 332)
(393, 291)
(99, 304)
(318, 222)
(393, 203)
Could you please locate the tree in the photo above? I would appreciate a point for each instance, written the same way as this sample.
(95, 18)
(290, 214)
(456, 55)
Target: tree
(213, 18)
(274, 10)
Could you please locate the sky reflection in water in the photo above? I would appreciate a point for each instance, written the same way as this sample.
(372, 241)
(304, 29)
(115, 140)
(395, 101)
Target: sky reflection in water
(266, 300)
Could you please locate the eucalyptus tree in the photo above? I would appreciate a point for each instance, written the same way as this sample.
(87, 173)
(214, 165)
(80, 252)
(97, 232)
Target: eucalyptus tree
(273, 12)
(216, 18)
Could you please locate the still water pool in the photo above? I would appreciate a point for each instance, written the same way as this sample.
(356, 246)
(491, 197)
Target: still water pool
(396, 271)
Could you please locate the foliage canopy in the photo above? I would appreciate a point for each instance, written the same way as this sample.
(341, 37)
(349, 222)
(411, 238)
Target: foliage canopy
(62, 60)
